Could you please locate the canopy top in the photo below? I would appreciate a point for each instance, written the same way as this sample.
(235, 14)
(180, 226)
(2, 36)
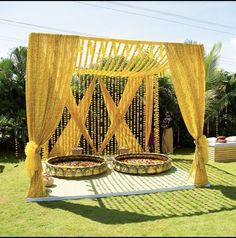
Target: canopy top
(117, 57)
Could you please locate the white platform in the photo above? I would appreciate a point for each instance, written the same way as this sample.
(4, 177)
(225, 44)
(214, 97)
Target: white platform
(113, 183)
(227, 144)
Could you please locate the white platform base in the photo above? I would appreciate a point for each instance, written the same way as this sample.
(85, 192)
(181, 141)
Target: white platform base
(113, 183)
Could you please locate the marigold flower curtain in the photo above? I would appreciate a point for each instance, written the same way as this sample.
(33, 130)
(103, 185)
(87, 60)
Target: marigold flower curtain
(53, 59)
(127, 97)
(64, 145)
(148, 108)
(122, 132)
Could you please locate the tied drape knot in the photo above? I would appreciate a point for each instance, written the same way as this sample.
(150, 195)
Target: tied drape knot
(33, 160)
(202, 145)
(31, 147)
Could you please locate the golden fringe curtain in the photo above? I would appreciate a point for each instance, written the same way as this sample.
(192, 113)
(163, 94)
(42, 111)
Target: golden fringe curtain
(120, 57)
(81, 111)
(50, 64)
(123, 134)
(188, 74)
(131, 88)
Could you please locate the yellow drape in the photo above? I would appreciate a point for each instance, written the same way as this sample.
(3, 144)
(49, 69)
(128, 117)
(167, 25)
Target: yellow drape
(148, 109)
(123, 134)
(62, 148)
(131, 88)
(80, 120)
(186, 64)
(50, 63)
(107, 57)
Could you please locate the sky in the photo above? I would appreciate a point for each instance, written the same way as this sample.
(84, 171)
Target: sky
(205, 22)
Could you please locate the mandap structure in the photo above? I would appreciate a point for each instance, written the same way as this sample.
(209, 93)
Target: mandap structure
(74, 96)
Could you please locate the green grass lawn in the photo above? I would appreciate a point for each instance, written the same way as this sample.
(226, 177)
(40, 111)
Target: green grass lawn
(196, 212)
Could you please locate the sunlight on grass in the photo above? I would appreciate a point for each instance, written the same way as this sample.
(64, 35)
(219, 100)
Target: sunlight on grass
(194, 212)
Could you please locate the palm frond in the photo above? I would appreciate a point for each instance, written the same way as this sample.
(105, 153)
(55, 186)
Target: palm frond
(211, 64)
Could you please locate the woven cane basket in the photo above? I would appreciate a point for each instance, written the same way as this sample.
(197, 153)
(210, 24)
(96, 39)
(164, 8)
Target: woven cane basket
(75, 171)
(162, 164)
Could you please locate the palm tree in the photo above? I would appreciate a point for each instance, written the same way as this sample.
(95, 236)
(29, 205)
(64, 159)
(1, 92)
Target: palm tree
(211, 64)
(211, 76)
(220, 96)
(222, 102)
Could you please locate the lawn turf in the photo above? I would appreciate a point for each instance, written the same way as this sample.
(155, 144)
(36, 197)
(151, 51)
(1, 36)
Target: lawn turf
(196, 212)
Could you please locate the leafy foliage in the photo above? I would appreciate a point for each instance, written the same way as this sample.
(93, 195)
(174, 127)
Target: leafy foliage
(12, 94)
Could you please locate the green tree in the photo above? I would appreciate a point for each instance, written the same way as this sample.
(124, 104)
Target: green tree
(12, 92)
(222, 102)
(12, 83)
(211, 69)
(220, 96)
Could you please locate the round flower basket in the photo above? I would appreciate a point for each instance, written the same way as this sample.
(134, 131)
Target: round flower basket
(142, 163)
(76, 166)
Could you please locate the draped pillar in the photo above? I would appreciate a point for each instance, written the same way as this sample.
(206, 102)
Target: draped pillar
(186, 64)
(51, 61)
